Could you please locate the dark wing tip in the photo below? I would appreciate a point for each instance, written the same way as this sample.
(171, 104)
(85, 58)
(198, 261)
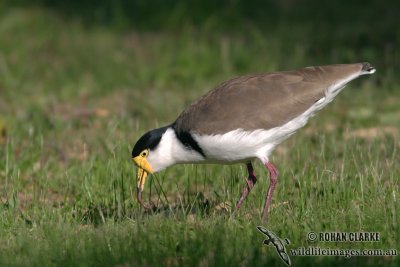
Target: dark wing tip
(367, 68)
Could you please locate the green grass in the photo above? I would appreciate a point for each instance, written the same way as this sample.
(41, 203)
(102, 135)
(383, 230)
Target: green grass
(75, 98)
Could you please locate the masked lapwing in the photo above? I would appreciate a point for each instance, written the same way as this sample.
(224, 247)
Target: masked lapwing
(241, 120)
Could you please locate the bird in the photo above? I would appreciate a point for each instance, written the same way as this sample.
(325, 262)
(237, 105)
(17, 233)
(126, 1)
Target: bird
(278, 243)
(243, 120)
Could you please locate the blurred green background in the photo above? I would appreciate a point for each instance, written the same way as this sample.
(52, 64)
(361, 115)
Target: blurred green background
(81, 81)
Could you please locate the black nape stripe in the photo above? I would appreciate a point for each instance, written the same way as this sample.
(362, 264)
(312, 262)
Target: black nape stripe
(187, 140)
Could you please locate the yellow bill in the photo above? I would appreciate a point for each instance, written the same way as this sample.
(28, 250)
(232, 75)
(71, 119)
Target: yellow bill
(141, 176)
(143, 169)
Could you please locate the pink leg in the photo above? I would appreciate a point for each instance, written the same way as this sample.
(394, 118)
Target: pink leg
(251, 181)
(273, 176)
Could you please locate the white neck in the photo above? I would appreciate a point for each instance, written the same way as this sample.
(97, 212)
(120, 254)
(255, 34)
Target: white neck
(171, 151)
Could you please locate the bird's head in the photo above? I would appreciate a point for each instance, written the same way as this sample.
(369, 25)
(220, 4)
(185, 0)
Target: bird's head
(147, 156)
(158, 149)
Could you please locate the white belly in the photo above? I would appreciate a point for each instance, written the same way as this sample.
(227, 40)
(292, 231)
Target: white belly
(240, 145)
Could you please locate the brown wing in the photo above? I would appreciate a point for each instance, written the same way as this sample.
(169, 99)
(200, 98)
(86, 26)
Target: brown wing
(261, 101)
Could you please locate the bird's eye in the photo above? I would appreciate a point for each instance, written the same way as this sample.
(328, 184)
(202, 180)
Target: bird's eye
(144, 153)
